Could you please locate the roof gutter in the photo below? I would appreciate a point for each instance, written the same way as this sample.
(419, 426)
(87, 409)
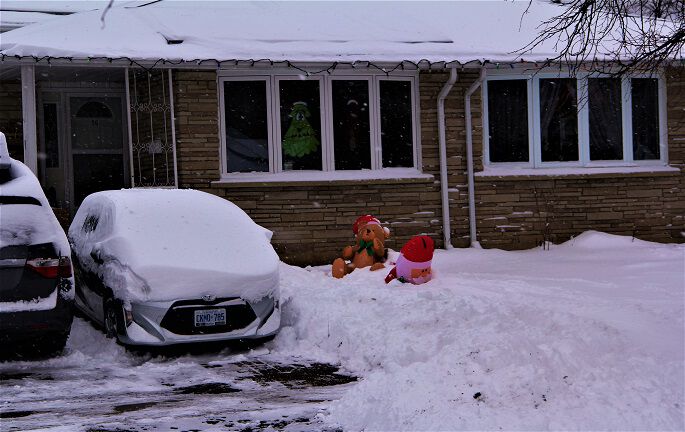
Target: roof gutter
(469, 159)
(446, 230)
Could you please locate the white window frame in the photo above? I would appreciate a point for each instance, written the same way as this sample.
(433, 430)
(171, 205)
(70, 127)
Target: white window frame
(278, 132)
(373, 117)
(534, 133)
(414, 120)
(486, 125)
(273, 79)
(269, 114)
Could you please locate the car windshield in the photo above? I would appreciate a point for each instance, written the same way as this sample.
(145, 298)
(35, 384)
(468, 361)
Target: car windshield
(21, 224)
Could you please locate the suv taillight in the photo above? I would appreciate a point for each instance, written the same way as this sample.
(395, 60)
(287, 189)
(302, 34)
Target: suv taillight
(51, 268)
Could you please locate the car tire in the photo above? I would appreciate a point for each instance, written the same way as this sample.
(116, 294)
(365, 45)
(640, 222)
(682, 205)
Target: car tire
(112, 318)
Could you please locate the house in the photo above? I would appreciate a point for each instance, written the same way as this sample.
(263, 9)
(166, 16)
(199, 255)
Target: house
(308, 114)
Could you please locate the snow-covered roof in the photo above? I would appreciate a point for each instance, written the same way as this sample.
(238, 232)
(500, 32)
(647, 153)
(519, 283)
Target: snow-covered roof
(462, 31)
(15, 14)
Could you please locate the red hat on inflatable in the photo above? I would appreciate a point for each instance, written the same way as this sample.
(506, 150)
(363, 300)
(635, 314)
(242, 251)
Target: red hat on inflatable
(364, 220)
(419, 249)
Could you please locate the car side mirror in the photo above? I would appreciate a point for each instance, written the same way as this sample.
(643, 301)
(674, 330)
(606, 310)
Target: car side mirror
(95, 255)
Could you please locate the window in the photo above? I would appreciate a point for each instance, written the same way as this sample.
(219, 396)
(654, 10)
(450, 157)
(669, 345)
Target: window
(247, 125)
(397, 133)
(543, 120)
(300, 119)
(645, 122)
(51, 135)
(321, 123)
(558, 120)
(606, 119)
(508, 103)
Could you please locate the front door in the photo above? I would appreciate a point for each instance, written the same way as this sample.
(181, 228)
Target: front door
(97, 145)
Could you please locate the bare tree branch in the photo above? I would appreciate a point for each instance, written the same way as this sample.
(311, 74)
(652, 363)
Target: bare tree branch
(614, 36)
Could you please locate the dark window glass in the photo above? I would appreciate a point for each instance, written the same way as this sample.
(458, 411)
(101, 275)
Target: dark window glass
(94, 109)
(351, 127)
(645, 93)
(247, 131)
(50, 135)
(508, 120)
(606, 124)
(300, 124)
(396, 124)
(559, 120)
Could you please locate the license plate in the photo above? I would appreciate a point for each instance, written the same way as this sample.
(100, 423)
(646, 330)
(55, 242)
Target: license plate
(210, 317)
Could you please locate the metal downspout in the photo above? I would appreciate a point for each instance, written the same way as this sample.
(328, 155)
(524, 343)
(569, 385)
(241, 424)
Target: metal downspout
(469, 159)
(446, 230)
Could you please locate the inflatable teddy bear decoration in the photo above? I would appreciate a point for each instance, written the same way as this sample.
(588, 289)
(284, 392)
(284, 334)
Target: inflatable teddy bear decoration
(369, 250)
(414, 263)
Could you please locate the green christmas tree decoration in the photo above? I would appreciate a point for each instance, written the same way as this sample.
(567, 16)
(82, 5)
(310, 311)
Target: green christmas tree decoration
(300, 139)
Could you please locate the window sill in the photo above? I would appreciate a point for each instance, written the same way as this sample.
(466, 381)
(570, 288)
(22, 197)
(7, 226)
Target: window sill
(295, 178)
(573, 172)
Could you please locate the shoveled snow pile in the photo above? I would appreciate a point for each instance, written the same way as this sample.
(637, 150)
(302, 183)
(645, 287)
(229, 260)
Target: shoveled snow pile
(162, 244)
(586, 336)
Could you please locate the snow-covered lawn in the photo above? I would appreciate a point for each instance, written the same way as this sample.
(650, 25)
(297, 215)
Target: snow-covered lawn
(586, 336)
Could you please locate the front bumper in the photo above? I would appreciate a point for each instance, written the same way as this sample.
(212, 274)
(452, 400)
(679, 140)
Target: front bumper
(150, 328)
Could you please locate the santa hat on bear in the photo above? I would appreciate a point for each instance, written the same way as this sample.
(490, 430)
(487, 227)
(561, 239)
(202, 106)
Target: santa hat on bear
(367, 220)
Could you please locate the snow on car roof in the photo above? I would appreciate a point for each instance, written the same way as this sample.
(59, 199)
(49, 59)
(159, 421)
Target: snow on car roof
(23, 223)
(163, 235)
(461, 31)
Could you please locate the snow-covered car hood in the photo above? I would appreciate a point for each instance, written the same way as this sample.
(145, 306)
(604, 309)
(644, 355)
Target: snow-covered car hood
(171, 244)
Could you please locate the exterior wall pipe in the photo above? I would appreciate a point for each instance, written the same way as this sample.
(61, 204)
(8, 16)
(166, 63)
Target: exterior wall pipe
(469, 159)
(446, 230)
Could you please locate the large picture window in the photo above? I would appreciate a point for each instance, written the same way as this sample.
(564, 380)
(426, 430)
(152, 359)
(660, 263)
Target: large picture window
(323, 123)
(583, 121)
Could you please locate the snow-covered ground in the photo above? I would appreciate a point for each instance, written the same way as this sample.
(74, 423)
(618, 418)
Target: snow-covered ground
(586, 336)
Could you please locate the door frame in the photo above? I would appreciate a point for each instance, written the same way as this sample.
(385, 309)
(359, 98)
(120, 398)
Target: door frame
(63, 97)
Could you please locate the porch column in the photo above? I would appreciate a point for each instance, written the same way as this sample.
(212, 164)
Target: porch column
(28, 108)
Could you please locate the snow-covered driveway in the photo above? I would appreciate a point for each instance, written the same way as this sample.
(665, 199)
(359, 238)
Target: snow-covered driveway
(586, 336)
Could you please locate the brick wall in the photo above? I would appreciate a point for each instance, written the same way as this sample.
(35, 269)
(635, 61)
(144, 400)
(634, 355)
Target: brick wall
(197, 128)
(11, 122)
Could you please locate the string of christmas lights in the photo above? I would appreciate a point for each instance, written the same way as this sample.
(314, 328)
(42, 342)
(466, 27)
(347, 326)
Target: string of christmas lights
(421, 64)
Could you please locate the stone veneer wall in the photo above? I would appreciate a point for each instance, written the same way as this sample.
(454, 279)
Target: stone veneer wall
(11, 118)
(312, 220)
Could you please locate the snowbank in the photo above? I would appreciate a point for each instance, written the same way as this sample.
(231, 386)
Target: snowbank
(162, 244)
(586, 336)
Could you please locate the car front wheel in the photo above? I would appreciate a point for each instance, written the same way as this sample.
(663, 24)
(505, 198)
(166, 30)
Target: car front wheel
(112, 312)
